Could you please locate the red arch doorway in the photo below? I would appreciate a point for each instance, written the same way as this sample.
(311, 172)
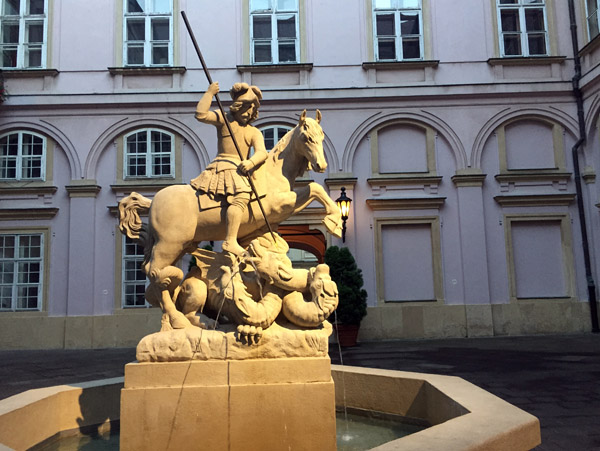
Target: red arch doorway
(302, 237)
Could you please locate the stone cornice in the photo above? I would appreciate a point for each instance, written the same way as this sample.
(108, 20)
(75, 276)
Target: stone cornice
(83, 188)
(535, 200)
(339, 182)
(465, 180)
(406, 203)
(9, 214)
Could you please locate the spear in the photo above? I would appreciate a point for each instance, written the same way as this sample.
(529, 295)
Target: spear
(227, 124)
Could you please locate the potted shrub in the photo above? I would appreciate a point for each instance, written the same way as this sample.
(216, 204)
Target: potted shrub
(352, 307)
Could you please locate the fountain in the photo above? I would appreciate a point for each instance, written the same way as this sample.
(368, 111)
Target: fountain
(241, 360)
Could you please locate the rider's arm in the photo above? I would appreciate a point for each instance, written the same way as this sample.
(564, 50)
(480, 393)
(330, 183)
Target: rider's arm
(203, 113)
(260, 152)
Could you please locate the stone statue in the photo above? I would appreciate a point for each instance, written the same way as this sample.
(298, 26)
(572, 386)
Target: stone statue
(263, 306)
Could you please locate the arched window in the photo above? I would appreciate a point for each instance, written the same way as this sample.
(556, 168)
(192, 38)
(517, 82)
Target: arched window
(273, 134)
(149, 153)
(22, 156)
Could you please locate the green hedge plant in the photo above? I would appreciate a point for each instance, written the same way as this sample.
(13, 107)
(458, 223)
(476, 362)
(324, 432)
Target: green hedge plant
(347, 275)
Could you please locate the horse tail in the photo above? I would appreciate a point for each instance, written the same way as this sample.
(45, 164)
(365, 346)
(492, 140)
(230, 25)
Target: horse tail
(130, 223)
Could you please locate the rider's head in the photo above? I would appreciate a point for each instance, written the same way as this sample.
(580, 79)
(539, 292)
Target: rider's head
(244, 97)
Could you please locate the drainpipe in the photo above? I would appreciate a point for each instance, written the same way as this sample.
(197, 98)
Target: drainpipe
(591, 286)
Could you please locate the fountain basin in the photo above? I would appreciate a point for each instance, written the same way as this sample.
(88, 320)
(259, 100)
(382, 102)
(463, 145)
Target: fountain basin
(462, 415)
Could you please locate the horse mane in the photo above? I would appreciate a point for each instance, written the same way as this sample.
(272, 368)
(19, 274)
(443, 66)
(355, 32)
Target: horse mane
(282, 143)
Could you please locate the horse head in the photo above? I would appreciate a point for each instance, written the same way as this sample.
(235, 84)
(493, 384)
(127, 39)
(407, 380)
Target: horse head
(311, 138)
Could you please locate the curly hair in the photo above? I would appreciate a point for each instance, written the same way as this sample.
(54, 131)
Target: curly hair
(240, 89)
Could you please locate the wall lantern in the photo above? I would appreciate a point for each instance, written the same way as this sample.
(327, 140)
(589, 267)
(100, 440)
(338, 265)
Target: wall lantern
(343, 203)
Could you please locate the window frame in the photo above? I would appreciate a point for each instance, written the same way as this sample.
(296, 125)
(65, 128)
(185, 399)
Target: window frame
(398, 37)
(434, 224)
(587, 19)
(567, 253)
(136, 258)
(273, 13)
(523, 33)
(20, 157)
(148, 42)
(149, 155)
(41, 260)
(23, 19)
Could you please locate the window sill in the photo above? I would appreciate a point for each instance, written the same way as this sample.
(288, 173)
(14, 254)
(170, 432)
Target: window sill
(590, 46)
(29, 73)
(526, 60)
(405, 179)
(400, 65)
(123, 187)
(161, 70)
(533, 175)
(271, 68)
(26, 188)
(10, 214)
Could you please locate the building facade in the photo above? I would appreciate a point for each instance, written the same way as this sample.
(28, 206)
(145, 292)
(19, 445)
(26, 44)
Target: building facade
(452, 125)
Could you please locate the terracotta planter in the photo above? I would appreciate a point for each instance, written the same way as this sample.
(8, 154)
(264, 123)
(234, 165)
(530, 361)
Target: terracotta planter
(346, 334)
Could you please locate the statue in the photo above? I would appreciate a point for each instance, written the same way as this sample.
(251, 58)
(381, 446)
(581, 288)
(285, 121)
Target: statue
(250, 288)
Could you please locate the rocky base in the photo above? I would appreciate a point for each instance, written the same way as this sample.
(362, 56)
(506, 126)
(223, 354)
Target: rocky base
(280, 340)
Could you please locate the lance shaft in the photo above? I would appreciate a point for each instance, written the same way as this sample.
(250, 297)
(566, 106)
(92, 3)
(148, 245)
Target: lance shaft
(227, 124)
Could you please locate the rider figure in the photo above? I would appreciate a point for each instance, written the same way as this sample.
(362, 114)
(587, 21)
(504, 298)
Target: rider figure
(227, 175)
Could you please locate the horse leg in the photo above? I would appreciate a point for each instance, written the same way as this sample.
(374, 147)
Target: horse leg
(164, 279)
(314, 191)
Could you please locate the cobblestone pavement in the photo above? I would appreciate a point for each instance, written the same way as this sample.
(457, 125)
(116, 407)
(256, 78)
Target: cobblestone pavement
(556, 378)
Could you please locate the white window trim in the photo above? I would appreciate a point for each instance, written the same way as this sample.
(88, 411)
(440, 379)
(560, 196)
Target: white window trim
(23, 18)
(274, 127)
(148, 35)
(587, 19)
(274, 38)
(522, 26)
(19, 169)
(40, 283)
(149, 155)
(398, 37)
(124, 283)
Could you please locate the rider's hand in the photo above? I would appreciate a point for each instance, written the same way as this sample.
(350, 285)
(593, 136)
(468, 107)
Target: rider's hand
(246, 166)
(214, 88)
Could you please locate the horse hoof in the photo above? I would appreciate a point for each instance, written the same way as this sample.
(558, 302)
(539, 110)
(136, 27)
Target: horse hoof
(332, 223)
(233, 248)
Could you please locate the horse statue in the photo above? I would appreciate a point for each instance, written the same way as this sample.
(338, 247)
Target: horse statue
(178, 222)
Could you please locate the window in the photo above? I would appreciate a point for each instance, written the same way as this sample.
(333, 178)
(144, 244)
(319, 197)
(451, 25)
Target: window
(273, 134)
(592, 18)
(148, 32)
(539, 256)
(274, 31)
(22, 156)
(398, 30)
(134, 279)
(522, 27)
(21, 270)
(149, 153)
(23, 29)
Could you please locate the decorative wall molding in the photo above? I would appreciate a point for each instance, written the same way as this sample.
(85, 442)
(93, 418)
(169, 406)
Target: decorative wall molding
(13, 214)
(535, 200)
(407, 203)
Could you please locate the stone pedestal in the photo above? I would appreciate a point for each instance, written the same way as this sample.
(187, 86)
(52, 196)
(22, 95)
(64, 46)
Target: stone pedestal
(260, 404)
